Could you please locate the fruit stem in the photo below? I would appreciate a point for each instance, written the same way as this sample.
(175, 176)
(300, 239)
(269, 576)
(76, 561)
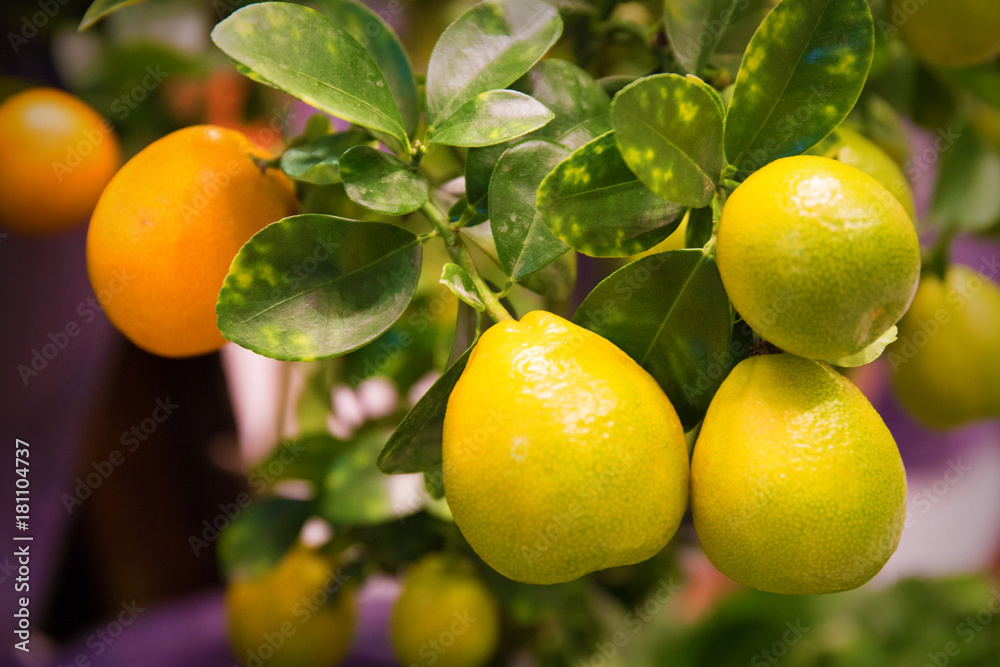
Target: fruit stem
(460, 255)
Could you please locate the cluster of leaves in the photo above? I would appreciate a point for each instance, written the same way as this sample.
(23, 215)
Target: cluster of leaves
(552, 162)
(554, 165)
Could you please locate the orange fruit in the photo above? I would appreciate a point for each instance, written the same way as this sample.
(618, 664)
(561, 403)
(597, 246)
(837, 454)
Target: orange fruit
(797, 486)
(167, 228)
(817, 256)
(444, 615)
(56, 155)
(952, 33)
(299, 614)
(561, 455)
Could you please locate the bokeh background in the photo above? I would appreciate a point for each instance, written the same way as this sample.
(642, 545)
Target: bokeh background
(115, 579)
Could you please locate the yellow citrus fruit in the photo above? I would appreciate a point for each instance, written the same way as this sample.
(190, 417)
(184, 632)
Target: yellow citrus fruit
(796, 484)
(946, 363)
(562, 456)
(854, 149)
(167, 228)
(444, 616)
(300, 614)
(817, 256)
(56, 155)
(952, 33)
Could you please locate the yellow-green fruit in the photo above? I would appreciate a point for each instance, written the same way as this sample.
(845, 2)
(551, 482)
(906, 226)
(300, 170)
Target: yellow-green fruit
(796, 484)
(946, 363)
(817, 256)
(952, 33)
(444, 616)
(299, 614)
(562, 456)
(851, 148)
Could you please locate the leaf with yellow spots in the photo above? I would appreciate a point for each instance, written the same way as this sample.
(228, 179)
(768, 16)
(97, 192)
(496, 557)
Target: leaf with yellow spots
(669, 130)
(487, 48)
(368, 28)
(382, 182)
(491, 118)
(314, 286)
(524, 243)
(307, 55)
(595, 204)
(581, 113)
(800, 77)
(670, 313)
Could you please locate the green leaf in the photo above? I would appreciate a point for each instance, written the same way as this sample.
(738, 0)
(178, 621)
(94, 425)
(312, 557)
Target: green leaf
(487, 48)
(524, 243)
(319, 162)
(670, 313)
(594, 203)
(307, 55)
(695, 28)
(581, 109)
(305, 458)
(966, 193)
(870, 353)
(699, 227)
(416, 444)
(458, 280)
(355, 492)
(555, 281)
(382, 182)
(260, 535)
(313, 286)
(801, 75)
(491, 118)
(669, 130)
(101, 8)
(383, 44)
(578, 102)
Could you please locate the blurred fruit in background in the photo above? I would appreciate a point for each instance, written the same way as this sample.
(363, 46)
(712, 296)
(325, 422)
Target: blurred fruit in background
(56, 156)
(300, 614)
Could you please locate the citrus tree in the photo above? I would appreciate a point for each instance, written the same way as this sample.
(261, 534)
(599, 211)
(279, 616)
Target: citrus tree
(740, 170)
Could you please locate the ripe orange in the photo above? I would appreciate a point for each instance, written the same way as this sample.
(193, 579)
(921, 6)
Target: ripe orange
(167, 228)
(577, 461)
(56, 155)
(797, 486)
(817, 256)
